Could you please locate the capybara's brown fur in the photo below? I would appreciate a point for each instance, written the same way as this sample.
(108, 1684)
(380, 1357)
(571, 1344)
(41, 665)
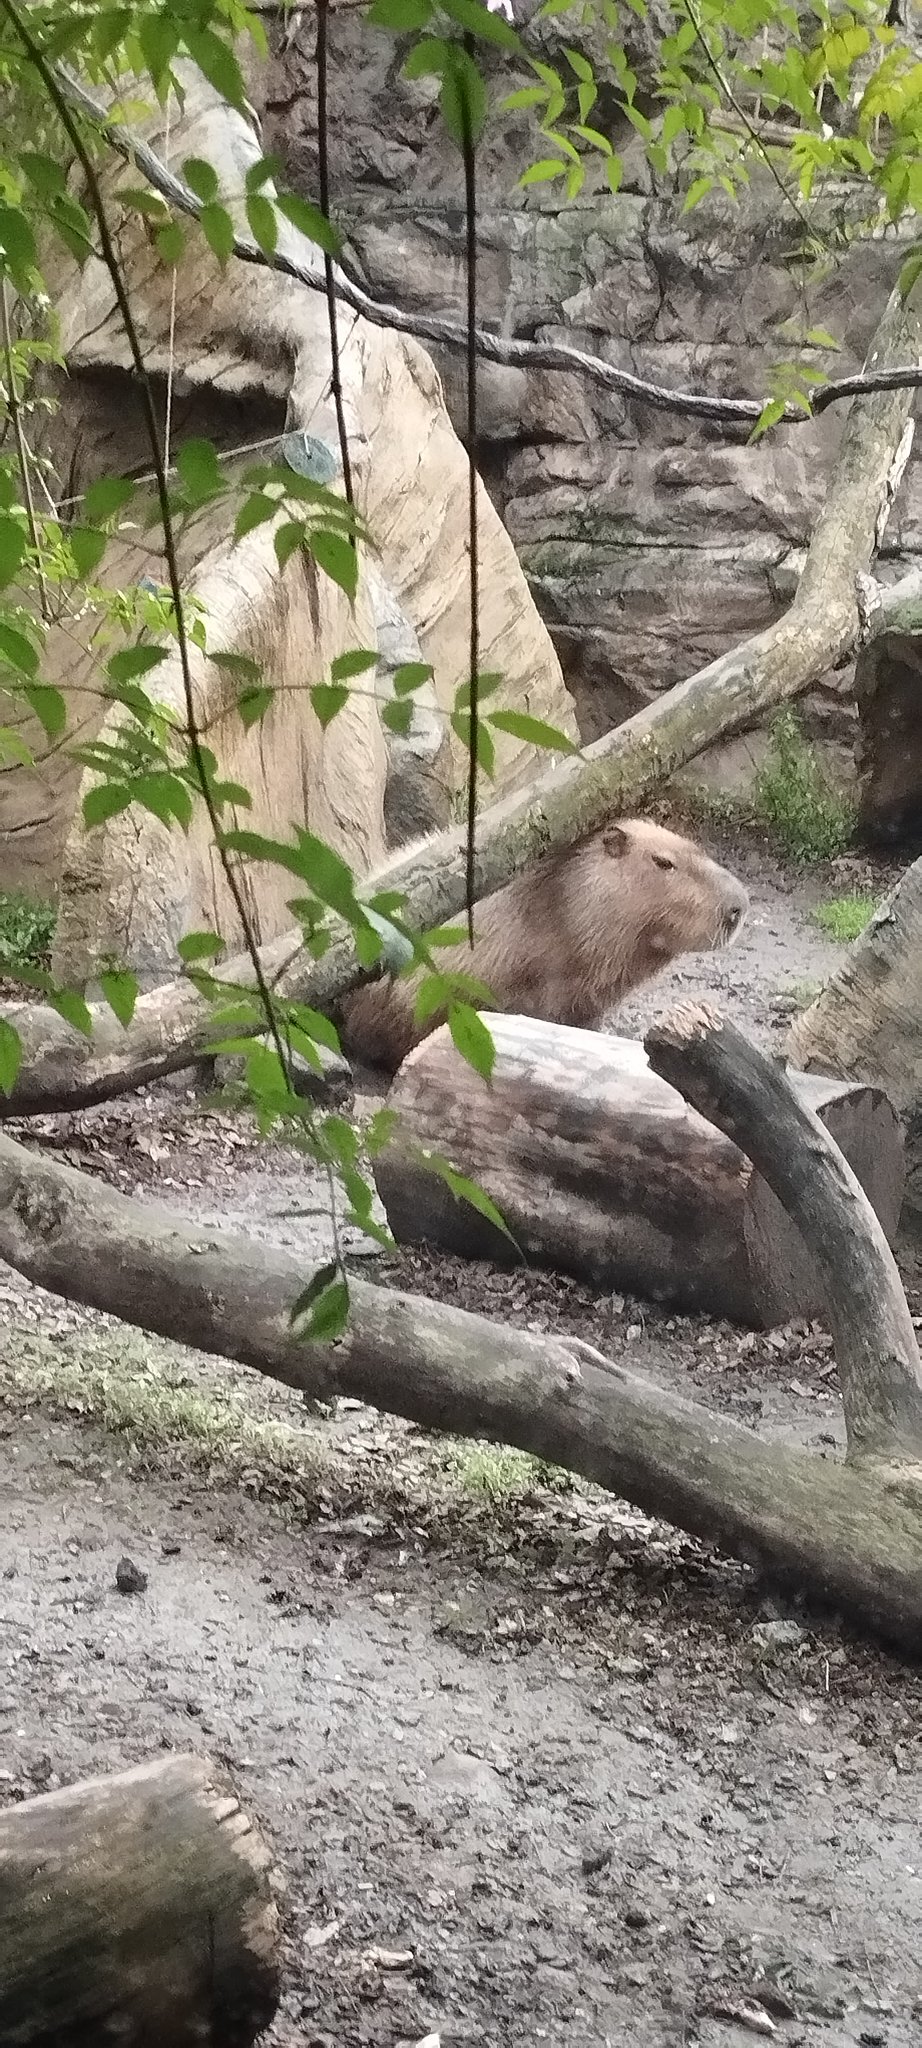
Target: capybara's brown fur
(566, 940)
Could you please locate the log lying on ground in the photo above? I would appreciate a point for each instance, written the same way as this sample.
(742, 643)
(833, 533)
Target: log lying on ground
(171, 1026)
(600, 1169)
(136, 1908)
(849, 1535)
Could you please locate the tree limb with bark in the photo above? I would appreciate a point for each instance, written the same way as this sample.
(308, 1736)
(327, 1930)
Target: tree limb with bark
(850, 1534)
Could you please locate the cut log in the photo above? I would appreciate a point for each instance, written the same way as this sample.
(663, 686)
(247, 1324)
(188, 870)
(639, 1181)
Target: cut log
(599, 1168)
(136, 1909)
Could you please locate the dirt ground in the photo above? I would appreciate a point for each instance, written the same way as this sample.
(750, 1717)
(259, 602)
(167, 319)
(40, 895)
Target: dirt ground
(535, 1768)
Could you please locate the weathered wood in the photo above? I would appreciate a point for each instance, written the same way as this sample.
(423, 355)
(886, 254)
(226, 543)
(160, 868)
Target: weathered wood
(867, 1021)
(849, 1535)
(880, 1372)
(600, 1169)
(136, 1909)
(888, 681)
(171, 1026)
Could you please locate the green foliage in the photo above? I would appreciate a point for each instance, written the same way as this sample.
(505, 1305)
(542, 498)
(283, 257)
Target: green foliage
(810, 818)
(26, 932)
(845, 917)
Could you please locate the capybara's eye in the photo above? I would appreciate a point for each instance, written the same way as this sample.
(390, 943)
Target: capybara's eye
(662, 860)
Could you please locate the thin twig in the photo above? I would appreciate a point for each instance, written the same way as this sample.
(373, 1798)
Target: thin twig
(22, 454)
(329, 274)
(740, 112)
(493, 348)
(470, 223)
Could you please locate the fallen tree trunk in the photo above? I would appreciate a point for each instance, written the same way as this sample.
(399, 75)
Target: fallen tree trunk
(171, 1027)
(850, 1535)
(598, 1167)
(135, 1908)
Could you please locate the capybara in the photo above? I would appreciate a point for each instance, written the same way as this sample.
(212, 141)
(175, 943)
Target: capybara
(568, 938)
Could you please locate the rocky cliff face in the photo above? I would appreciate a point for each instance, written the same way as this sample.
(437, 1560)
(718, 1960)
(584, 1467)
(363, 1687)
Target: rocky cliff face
(651, 543)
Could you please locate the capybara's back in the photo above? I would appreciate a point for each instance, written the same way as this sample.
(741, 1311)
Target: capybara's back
(567, 940)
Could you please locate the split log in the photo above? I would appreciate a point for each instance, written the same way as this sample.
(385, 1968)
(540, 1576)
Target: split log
(847, 1535)
(888, 673)
(867, 1021)
(600, 1169)
(171, 1027)
(136, 1908)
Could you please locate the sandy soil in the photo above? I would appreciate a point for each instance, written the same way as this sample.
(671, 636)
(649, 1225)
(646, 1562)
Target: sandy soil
(587, 1783)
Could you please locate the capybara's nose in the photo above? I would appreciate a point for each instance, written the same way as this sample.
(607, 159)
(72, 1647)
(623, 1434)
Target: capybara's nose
(734, 914)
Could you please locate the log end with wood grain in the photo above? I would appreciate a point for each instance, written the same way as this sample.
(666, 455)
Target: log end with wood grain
(601, 1170)
(138, 1909)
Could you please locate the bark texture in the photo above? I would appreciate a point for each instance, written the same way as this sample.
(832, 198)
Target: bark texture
(599, 1168)
(136, 1909)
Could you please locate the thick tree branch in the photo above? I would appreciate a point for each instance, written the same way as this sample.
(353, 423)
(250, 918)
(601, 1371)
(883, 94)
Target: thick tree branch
(752, 1101)
(493, 348)
(838, 1531)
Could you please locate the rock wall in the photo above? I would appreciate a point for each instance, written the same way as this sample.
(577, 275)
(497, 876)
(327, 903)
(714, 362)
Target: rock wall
(651, 543)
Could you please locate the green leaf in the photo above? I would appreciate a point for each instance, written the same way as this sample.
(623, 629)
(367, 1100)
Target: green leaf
(534, 731)
(87, 546)
(252, 704)
(201, 178)
(199, 470)
(328, 875)
(158, 35)
(310, 222)
(49, 708)
(696, 191)
(120, 990)
(491, 28)
(411, 675)
(171, 243)
(165, 796)
(910, 273)
(580, 65)
(472, 1037)
(614, 172)
(237, 664)
(254, 511)
(463, 100)
(355, 662)
(44, 173)
(467, 1191)
(12, 548)
(527, 96)
(398, 717)
(104, 801)
(16, 650)
(401, 16)
(131, 662)
(10, 1056)
(107, 496)
(539, 173)
(200, 946)
(264, 227)
(328, 700)
(337, 557)
(322, 1311)
(287, 539)
(218, 230)
(218, 63)
(18, 253)
(73, 1009)
(263, 172)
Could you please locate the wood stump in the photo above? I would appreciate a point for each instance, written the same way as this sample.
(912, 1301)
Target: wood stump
(600, 1169)
(136, 1909)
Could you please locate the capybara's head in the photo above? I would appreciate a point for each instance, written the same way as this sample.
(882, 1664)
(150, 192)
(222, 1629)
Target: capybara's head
(684, 901)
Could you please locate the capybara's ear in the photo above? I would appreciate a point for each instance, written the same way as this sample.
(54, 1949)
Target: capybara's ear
(615, 841)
